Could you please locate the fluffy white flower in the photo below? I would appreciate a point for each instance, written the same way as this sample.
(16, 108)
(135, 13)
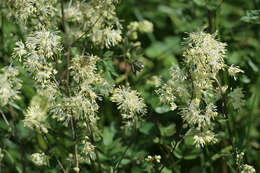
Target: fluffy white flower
(10, 85)
(203, 138)
(129, 103)
(39, 159)
(35, 118)
(155, 158)
(233, 70)
(247, 169)
(145, 26)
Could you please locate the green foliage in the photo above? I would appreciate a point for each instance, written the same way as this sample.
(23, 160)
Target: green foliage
(116, 55)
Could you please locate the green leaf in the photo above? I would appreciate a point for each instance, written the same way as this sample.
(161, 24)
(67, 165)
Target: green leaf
(193, 154)
(168, 130)
(146, 127)
(9, 156)
(41, 142)
(200, 2)
(108, 136)
(108, 54)
(252, 65)
(18, 169)
(252, 16)
(166, 170)
(220, 154)
(156, 50)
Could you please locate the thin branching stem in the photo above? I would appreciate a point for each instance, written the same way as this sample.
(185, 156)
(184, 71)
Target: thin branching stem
(4, 117)
(225, 114)
(16, 133)
(119, 161)
(95, 150)
(173, 148)
(68, 47)
(75, 142)
(68, 59)
(47, 151)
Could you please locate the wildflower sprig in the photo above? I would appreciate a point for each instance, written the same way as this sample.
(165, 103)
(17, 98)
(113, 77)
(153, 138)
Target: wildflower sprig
(193, 86)
(10, 85)
(130, 104)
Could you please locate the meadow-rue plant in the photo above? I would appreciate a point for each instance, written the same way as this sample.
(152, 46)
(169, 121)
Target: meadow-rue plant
(78, 57)
(191, 85)
(130, 104)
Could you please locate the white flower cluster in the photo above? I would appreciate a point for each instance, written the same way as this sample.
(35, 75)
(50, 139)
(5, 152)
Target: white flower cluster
(175, 87)
(88, 149)
(129, 103)
(205, 57)
(35, 118)
(201, 122)
(97, 20)
(82, 104)
(37, 10)
(194, 86)
(233, 70)
(203, 138)
(244, 168)
(10, 85)
(143, 26)
(134, 27)
(247, 169)
(154, 81)
(40, 159)
(194, 117)
(36, 53)
(155, 158)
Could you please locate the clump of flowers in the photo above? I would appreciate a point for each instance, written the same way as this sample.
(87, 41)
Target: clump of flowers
(36, 53)
(10, 85)
(195, 87)
(35, 118)
(39, 11)
(39, 159)
(88, 149)
(145, 26)
(82, 104)
(233, 70)
(175, 87)
(155, 158)
(244, 168)
(130, 104)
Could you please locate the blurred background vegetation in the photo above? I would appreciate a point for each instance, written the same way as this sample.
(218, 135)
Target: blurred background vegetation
(237, 23)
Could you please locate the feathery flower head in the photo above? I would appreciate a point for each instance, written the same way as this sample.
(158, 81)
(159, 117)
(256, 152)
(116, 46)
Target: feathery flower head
(129, 103)
(10, 85)
(35, 118)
